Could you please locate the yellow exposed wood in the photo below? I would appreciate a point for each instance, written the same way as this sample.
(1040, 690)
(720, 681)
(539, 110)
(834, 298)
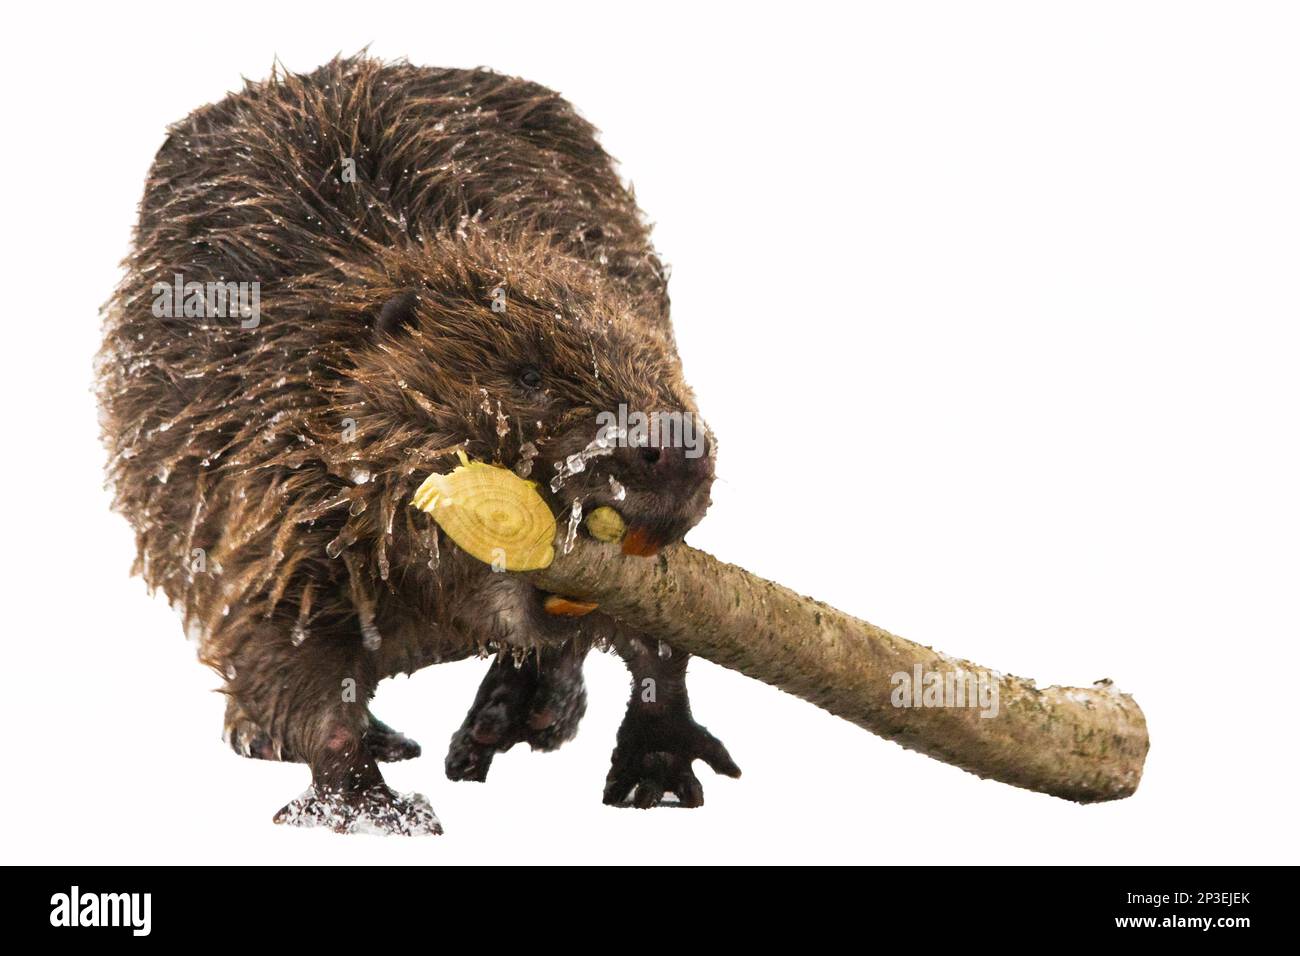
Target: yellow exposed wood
(606, 524)
(492, 514)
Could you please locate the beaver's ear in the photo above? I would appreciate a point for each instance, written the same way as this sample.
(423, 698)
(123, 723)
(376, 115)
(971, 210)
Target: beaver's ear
(396, 314)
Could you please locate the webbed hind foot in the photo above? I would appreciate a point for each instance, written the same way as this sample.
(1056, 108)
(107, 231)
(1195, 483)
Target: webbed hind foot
(659, 739)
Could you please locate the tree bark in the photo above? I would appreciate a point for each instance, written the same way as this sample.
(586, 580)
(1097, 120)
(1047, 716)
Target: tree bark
(1083, 744)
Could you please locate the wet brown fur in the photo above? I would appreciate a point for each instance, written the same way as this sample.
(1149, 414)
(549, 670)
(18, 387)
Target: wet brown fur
(268, 471)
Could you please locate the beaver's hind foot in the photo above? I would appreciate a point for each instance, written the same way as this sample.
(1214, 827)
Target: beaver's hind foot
(659, 739)
(653, 758)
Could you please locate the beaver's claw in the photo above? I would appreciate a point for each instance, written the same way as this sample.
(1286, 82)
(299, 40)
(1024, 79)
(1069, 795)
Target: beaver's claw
(653, 759)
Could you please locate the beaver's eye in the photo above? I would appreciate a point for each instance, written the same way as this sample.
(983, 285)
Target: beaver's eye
(397, 313)
(530, 377)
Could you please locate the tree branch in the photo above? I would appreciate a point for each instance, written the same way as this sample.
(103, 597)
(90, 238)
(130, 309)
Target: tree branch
(1083, 744)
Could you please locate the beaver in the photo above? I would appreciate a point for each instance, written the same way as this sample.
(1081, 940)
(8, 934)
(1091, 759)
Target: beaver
(441, 261)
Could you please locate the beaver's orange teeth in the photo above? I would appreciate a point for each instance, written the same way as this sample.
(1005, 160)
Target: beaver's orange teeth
(640, 542)
(567, 607)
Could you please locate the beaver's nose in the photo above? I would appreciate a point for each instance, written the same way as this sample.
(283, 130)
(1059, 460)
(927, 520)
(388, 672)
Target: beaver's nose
(671, 461)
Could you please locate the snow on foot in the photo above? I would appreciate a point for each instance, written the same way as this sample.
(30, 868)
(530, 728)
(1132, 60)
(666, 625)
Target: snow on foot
(379, 811)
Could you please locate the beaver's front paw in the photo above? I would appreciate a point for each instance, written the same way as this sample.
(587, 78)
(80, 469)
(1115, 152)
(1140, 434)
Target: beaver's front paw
(557, 707)
(249, 740)
(516, 705)
(653, 759)
(378, 810)
(389, 745)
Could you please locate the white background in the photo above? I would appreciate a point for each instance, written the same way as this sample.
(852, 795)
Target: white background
(1012, 286)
